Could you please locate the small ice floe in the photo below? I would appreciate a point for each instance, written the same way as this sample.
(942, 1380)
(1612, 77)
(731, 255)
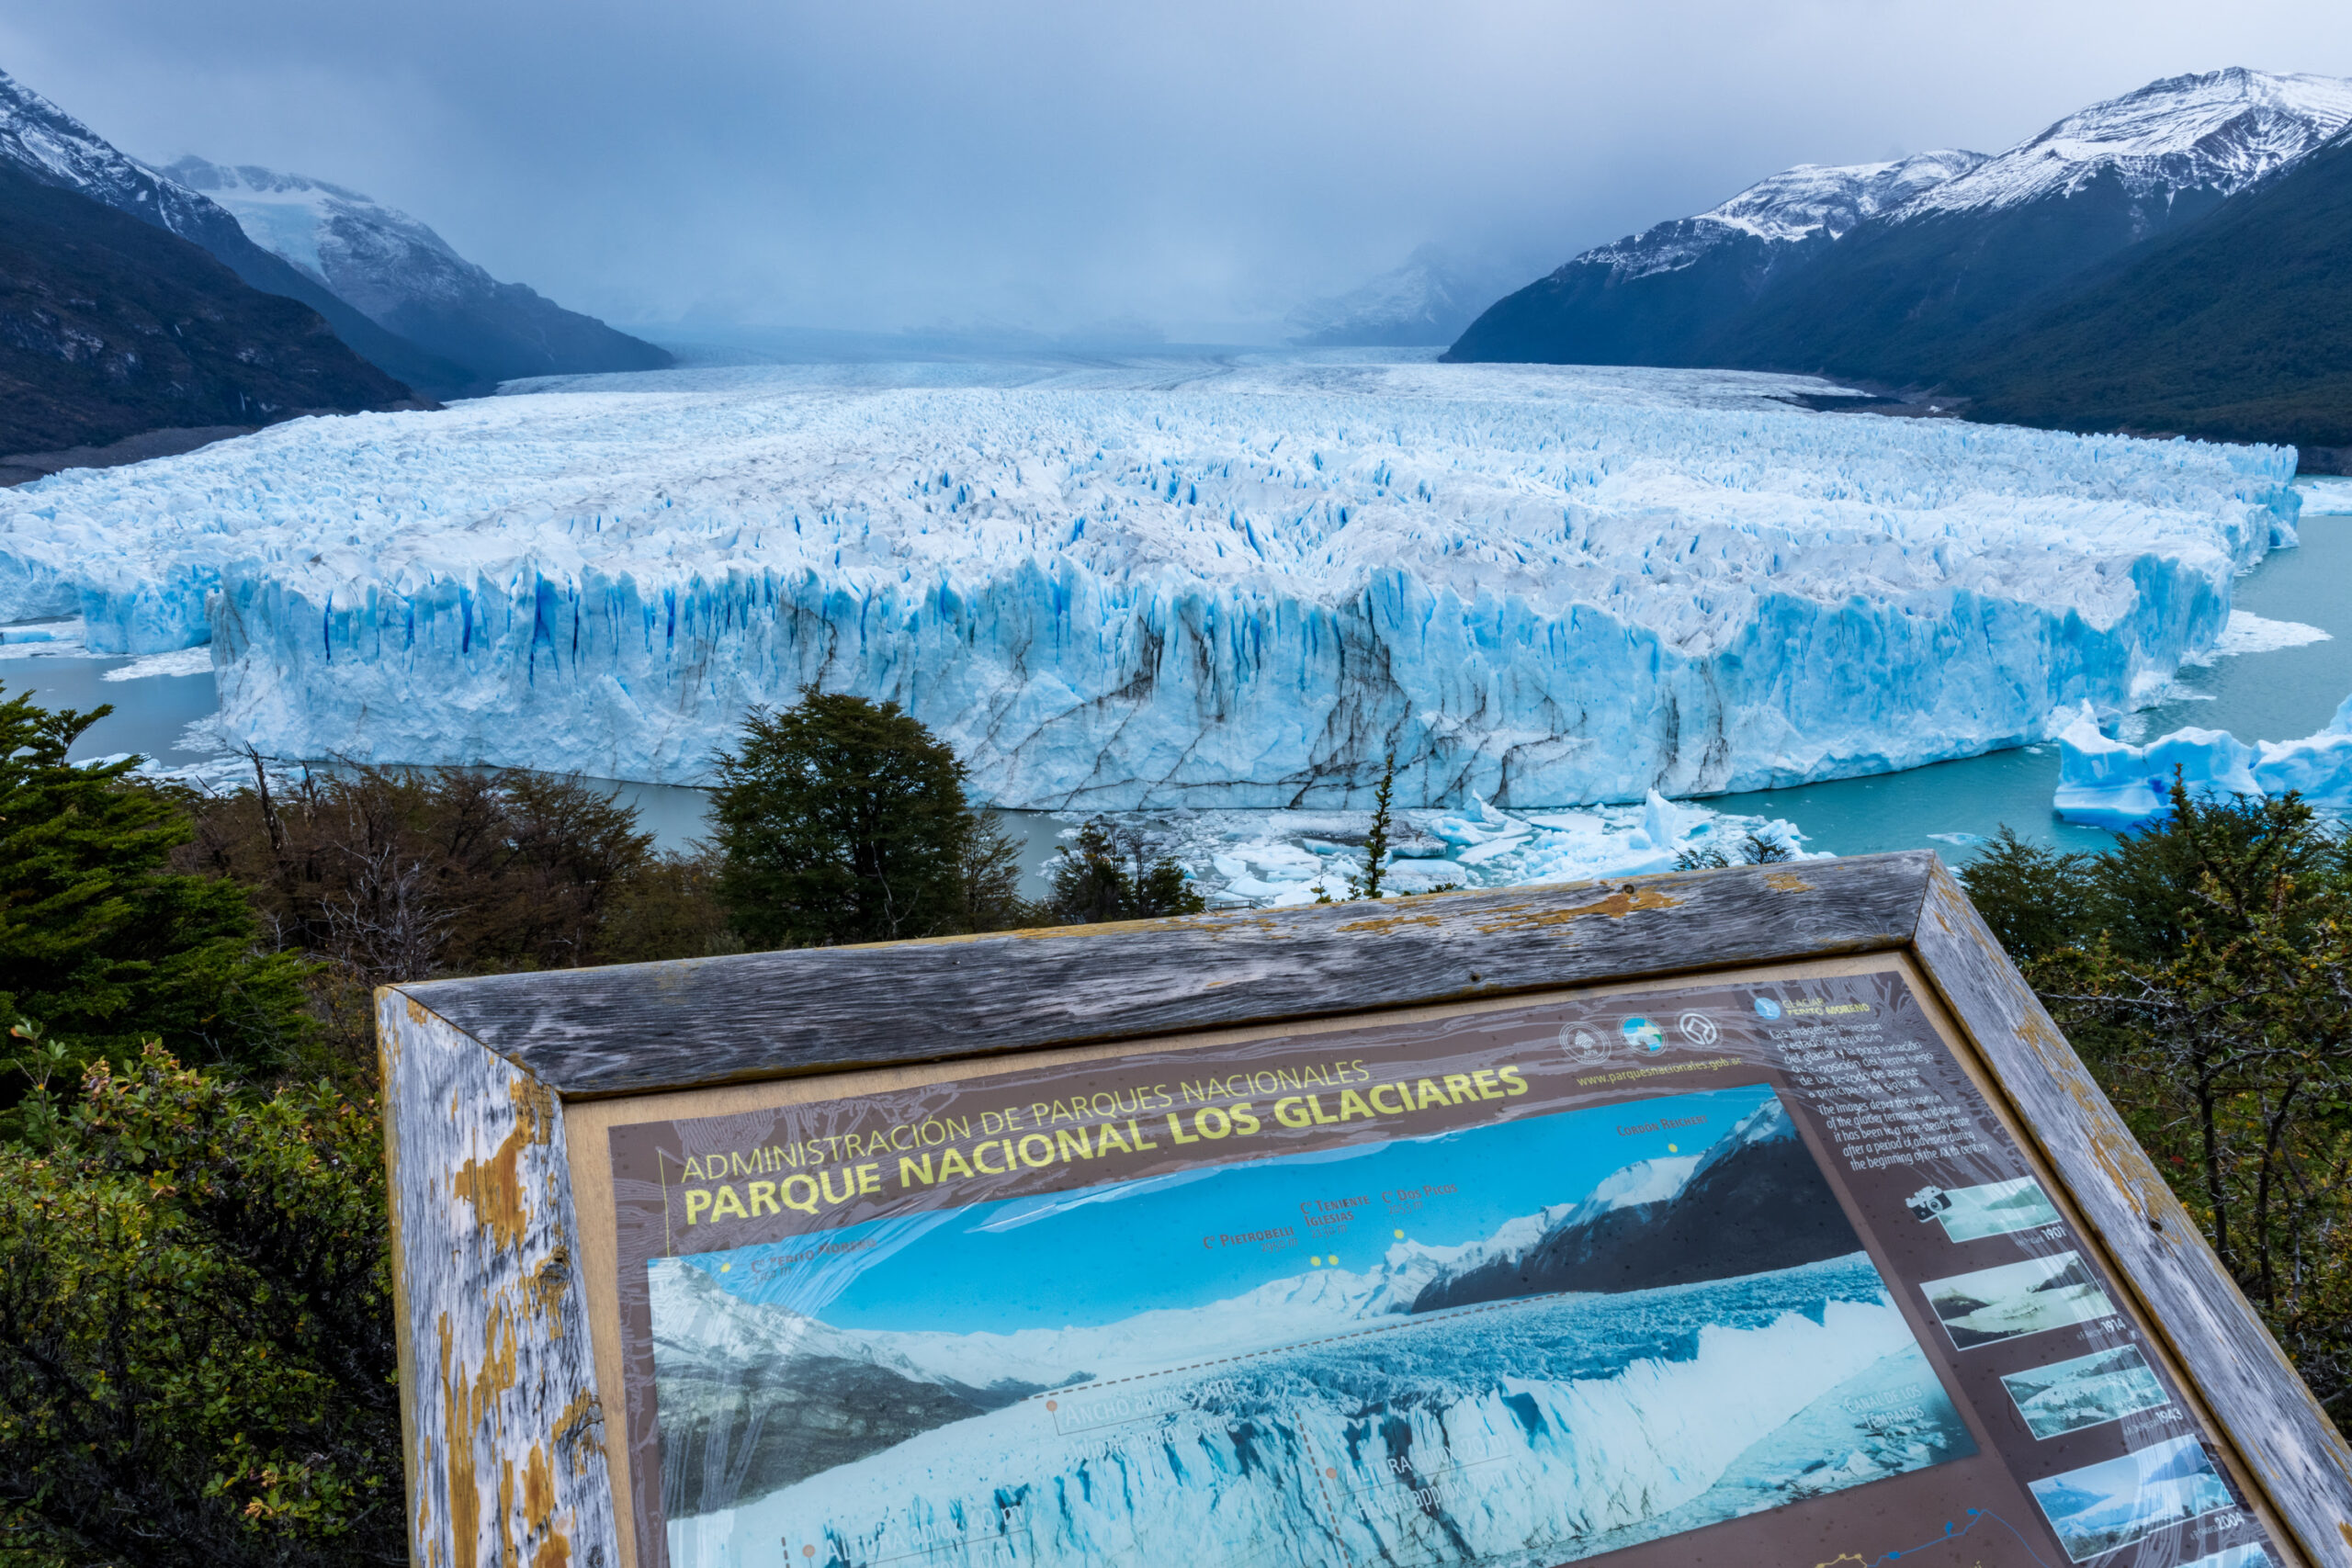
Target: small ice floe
(2111, 783)
(2325, 497)
(2249, 633)
(178, 661)
(1243, 858)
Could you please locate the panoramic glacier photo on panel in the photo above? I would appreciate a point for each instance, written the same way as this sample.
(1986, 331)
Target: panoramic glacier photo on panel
(572, 574)
(1562, 1383)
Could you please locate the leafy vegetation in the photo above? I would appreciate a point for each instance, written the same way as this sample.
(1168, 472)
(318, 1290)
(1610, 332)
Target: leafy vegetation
(1112, 872)
(102, 940)
(843, 820)
(197, 1364)
(2203, 970)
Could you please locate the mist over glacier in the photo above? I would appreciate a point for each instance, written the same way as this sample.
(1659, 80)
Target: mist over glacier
(1201, 582)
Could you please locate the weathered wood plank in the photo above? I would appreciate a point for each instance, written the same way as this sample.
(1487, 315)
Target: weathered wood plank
(2294, 1448)
(680, 1025)
(505, 1461)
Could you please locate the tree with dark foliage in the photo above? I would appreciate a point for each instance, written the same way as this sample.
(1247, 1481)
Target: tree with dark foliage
(1112, 873)
(2203, 970)
(100, 938)
(843, 820)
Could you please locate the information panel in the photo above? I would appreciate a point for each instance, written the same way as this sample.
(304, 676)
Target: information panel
(1737, 1274)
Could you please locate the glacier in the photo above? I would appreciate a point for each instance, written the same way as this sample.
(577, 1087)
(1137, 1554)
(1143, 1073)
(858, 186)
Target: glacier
(1453, 1439)
(2105, 782)
(1159, 583)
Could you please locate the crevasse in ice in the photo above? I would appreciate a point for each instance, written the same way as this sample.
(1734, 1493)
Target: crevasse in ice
(1231, 586)
(2111, 783)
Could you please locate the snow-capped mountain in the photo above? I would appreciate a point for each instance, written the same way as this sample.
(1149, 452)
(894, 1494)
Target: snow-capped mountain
(389, 285)
(1424, 303)
(2219, 132)
(1939, 259)
(407, 279)
(58, 150)
(1811, 202)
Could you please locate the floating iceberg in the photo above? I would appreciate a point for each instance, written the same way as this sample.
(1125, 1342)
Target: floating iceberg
(1243, 858)
(2109, 783)
(1182, 584)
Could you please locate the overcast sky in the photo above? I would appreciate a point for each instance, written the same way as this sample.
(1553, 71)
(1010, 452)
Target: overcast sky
(1200, 167)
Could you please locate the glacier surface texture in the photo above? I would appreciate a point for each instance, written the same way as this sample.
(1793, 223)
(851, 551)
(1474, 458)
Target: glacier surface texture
(2111, 783)
(1227, 583)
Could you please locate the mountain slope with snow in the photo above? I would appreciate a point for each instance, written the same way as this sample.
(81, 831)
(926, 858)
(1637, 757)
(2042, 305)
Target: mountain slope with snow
(1921, 287)
(111, 328)
(1538, 588)
(408, 280)
(58, 149)
(1661, 295)
(2239, 329)
(2215, 135)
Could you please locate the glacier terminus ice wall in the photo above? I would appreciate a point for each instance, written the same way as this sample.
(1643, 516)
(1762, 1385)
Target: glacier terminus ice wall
(1218, 584)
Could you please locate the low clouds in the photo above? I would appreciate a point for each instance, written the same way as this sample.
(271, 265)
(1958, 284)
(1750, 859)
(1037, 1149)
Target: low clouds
(1193, 169)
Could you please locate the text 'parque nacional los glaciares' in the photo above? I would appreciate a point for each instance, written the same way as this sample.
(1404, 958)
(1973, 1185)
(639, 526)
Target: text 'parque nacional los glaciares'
(811, 1174)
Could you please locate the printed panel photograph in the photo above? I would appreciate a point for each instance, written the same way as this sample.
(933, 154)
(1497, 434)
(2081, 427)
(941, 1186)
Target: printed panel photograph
(1996, 1208)
(2088, 1391)
(2017, 1299)
(1578, 1335)
(2103, 1506)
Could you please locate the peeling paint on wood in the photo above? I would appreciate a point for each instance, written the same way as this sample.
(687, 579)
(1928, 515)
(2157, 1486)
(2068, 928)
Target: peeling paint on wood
(499, 1391)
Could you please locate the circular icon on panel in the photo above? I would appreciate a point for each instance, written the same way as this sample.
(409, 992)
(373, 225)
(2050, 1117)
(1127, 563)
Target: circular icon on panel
(1646, 1038)
(1582, 1044)
(1698, 1029)
(1767, 1008)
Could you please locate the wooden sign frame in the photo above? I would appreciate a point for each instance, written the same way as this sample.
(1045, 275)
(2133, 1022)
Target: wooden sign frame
(493, 1084)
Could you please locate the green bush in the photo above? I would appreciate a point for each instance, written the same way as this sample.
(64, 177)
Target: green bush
(843, 820)
(2203, 970)
(197, 1363)
(1111, 872)
(101, 940)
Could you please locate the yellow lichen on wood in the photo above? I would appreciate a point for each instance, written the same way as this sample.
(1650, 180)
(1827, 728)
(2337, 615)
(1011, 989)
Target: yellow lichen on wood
(546, 1288)
(1385, 923)
(1616, 907)
(583, 1413)
(491, 1186)
(1787, 882)
(465, 1401)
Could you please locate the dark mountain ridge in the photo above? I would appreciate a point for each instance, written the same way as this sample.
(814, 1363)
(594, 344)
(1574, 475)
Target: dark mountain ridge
(2237, 329)
(1761, 1205)
(2133, 268)
(109, 327)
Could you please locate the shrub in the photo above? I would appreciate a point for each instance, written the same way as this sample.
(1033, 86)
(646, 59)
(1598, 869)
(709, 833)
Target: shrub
(403, 873)
(2203, 970)
(197, 1363)
(101, 938)
(1112, 873)
(843, 820)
